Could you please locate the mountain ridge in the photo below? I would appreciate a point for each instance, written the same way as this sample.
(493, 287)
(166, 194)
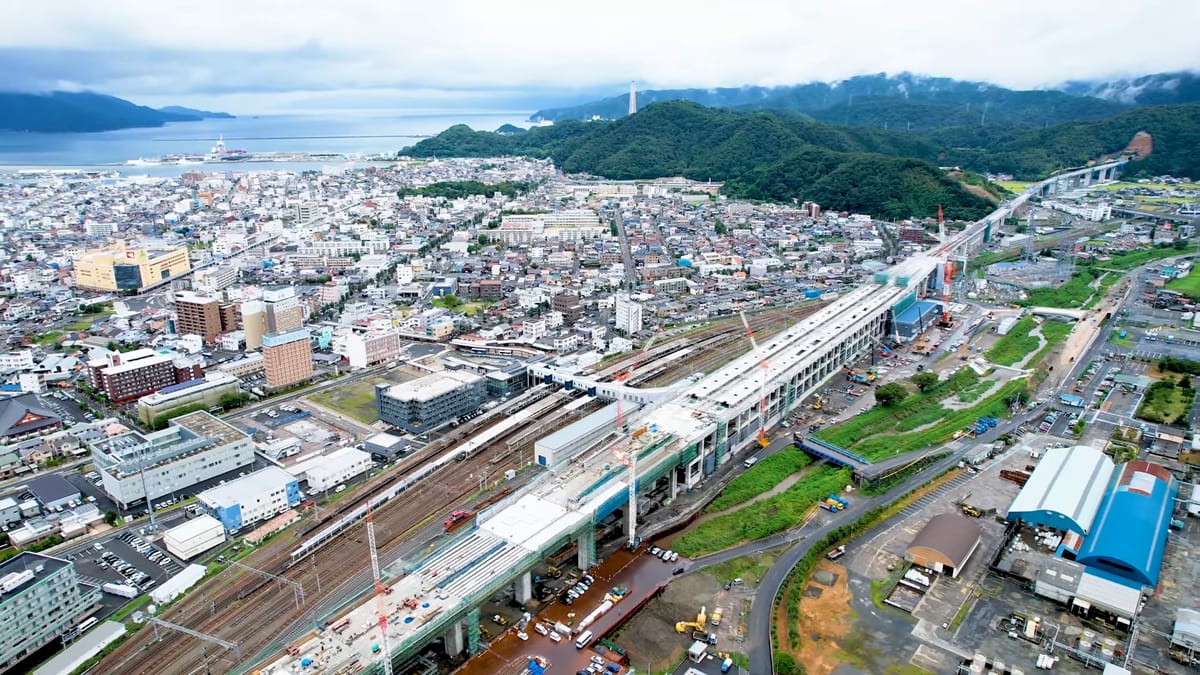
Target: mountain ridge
(66, 112)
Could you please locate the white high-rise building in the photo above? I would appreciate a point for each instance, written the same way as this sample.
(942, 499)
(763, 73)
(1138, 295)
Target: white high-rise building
(632, 97)
(629, 314)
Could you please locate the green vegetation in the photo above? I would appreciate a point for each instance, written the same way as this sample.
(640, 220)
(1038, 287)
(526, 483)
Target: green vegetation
(455, 304)
(457, 189)
(890, 394)
(973, 392)
(1016, 344)
(1189, 285)
(765, 517)
(46, 338)
(1129, 261)
(1166, 402)
(748, 567)
(766, 474)
(759, 155)
(357, 398)
(885, 420)
(1178, 365)
(925, 380)
(1070, 295)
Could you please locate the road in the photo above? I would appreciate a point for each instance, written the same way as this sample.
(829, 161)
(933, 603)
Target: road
(631, 276)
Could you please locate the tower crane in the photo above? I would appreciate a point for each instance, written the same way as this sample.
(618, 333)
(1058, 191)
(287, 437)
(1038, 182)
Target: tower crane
(380, 591)
(763, 441)
(947, 275)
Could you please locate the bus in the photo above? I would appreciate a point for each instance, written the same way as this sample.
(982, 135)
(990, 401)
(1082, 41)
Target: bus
(88, 623)
(341, 625)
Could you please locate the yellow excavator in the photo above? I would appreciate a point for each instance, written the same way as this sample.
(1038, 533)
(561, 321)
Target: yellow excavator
(698, 624)
(818, 403)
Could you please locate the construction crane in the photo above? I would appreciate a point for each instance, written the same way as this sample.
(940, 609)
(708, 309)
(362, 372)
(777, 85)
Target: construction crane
(947, 275)
(380, 591)
(763, 441)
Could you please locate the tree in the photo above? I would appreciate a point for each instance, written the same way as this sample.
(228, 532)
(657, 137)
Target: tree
(890, 394)
(720, 228)
(110, 517)
(451, 301)
(1185, 382)
(483, 240)
(925, 380)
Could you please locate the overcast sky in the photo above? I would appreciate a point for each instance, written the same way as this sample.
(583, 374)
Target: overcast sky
(250, 56)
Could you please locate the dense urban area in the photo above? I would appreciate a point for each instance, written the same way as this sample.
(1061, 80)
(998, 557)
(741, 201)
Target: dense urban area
(478, 415)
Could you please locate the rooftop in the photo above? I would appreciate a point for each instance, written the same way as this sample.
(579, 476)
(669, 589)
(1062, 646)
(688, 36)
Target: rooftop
(205, 424)
(1067, 484)
(950, 534)
(251, 485)
(432, 386)
(30, 561)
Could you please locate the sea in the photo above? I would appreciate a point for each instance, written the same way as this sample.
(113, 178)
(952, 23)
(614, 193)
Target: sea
(351, 133)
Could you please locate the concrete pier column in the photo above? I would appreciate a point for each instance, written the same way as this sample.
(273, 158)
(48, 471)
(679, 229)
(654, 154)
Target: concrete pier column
(474, 644)
(586, 545)
(674, 483)
(525, 587)
(454, 639)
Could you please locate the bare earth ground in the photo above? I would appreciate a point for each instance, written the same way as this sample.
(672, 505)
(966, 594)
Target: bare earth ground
(825, 621)
(650, 636)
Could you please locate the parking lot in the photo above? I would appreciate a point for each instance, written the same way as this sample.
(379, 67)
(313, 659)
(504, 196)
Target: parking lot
(125, 559)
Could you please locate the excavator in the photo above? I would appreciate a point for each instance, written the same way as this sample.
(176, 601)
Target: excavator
(698, 624)
(820, 401)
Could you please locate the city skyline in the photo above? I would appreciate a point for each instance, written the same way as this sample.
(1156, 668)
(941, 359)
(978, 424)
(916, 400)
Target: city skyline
(253, 57)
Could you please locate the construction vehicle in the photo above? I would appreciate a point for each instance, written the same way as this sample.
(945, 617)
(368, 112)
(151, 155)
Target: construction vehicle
(499, 620)
(727, 664)
(971, 511)
(818, 403)
(683, 627)
(707, 638)
(831, 505)
(456, 520)
(839, 500)
(836, 553)
(716, 617)
(872, 374)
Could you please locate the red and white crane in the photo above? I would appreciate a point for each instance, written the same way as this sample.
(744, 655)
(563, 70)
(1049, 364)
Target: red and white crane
(380, 591)
(626, 453)
(947, 275)
(763, 440)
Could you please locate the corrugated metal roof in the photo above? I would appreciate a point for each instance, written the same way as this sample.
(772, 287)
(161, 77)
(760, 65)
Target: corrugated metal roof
(950, 534)
(1131, 526)
(1187, 628)
(605, 417)
(1110, 595)
(1065, 489)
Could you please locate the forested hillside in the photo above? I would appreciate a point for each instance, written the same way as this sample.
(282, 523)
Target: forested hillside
(763, 155)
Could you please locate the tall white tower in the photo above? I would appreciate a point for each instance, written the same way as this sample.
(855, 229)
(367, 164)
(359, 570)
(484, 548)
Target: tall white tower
(632, 97)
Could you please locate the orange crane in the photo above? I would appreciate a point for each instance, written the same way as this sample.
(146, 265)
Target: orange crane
(380, 591)
(628, 457)
(763, 440)
(947, 276)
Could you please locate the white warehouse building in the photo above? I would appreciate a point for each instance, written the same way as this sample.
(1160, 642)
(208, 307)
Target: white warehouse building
(200, 534)
(257, 496)
(328, 471)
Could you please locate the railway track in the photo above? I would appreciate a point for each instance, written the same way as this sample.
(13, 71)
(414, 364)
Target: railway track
(259, 613)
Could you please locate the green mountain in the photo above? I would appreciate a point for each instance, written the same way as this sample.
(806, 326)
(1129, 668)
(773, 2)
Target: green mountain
(195, 113)
(763, 155)
(906, 101)
(1157, 89)
(59, 111)
(1174, 131)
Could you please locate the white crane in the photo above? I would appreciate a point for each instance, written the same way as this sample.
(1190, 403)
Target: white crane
(380, 591)
(763, 440)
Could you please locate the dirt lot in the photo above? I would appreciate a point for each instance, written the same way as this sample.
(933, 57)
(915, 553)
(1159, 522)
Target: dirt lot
(826, 618)
(651, 633)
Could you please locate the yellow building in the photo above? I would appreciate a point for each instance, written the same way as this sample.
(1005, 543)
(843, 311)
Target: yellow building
(118, 268)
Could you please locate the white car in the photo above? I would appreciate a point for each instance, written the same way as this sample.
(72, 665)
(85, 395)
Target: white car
(554, 636)
(542, 630)
(522, 635)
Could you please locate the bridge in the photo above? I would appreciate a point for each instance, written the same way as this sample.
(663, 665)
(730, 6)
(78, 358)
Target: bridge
(1076, 314)
(680, 435)
(1158, 216)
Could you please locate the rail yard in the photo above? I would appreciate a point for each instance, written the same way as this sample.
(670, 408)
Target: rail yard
(289, 586)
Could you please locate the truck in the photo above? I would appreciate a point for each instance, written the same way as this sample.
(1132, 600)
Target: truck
(831, 505)
(727, 664)
(837, 552)
(839, 500)
(716, 617)
(123, 590)
(456, 520)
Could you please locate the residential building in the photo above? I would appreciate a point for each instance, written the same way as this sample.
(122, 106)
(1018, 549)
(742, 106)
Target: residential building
(251, 498)
(126, 376)
(192, 449)
(15, 362)
(283, 310)
(215, 278)
(427, 402)
(254, 322)
(287, 357)
(628, 315)
(42, 600)
(197, 314)
(118, 268)
(207, 391)
(326, 472)
(253, 363)
(367, 349)
(569, 305)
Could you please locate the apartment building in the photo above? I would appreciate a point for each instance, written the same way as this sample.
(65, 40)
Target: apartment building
(628, 315)
(367, 349)
(192, 449)
(251, 498)
(427, 402)
(40, 601)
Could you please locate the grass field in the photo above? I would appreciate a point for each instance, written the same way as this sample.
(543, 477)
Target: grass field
(1166, 402)
(1189, 285)
(761, 477)
(1014, 186)
(1070, 295)
(763, 518)
(357, 399)
(1016, 344)
(1152, 186)
(1137, 258)
(467, 308)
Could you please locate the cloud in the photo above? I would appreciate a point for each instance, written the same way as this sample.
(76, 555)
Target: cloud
(267, 50)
